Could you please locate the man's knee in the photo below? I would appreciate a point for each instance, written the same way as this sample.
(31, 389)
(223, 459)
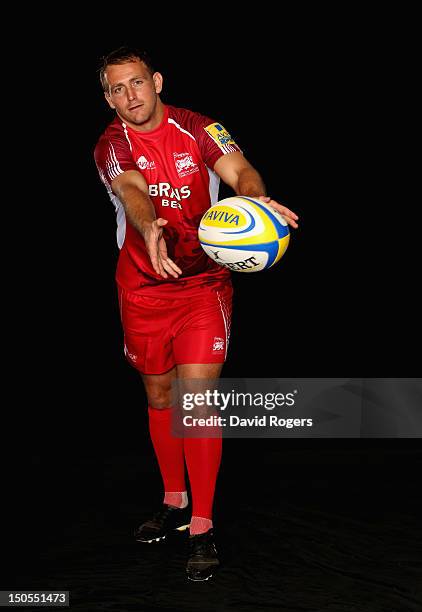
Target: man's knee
(158, 388)
(159, 397)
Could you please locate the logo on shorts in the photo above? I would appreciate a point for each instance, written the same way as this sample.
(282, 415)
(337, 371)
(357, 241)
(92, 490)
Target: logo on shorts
(144, 164)
(184, 164)
(131, 356)
(218, 344)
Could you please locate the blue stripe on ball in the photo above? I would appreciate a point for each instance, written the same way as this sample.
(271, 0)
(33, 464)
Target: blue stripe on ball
(248, 229)
(282, 230)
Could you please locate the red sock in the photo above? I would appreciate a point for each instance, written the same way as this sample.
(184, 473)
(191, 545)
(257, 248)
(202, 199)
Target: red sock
(199, 525)
(203, 456)
(179, 499)
(169, 450)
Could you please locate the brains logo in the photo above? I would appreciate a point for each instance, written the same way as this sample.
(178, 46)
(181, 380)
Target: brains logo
(184, 164)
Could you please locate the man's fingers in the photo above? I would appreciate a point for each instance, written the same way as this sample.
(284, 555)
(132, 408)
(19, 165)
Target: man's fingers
(168, 263)
(283, 210)
(165, 263)
(290, 221)
(171, 268)
(157, 251)
(289, 216)
(172, 265)
(162, 248)
(157, 263)
(286, 212)
(159, 269)
(290, 213)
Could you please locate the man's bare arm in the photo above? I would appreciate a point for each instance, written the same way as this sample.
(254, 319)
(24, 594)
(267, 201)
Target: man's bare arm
(132, 190)
(242, 177)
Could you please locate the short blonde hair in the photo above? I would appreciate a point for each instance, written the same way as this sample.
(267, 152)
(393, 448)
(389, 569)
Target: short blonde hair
(122, 55)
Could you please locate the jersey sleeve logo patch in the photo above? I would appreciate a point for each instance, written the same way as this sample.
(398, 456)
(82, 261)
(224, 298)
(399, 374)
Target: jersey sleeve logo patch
(221, 137)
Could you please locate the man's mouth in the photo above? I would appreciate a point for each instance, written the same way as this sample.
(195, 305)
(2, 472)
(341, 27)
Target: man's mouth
(131, 108)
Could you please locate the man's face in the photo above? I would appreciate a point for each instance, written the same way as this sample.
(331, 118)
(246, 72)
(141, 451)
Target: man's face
(133, 93)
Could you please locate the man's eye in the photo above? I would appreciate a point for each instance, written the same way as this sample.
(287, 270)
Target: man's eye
(117, 90)
(138, 82)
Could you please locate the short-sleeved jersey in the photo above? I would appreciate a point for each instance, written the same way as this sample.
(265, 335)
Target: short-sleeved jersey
(177, 160)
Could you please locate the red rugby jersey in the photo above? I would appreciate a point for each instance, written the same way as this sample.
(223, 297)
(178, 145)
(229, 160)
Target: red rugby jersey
(177, 160)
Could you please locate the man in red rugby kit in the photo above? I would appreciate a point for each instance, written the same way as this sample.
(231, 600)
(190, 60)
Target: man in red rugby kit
(162, 166)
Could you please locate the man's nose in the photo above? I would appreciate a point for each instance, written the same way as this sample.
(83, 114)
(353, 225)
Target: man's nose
(131, 93)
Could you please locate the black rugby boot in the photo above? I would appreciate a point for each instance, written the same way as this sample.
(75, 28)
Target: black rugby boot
(167, 519)
(202, 560)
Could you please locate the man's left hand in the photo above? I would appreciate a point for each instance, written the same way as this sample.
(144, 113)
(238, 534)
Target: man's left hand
(288, 214)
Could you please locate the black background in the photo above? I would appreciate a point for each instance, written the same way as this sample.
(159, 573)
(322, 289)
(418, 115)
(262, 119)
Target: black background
(312, 108)
(310, 104)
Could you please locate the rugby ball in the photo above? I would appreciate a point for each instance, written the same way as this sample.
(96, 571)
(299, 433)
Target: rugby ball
(243, 234)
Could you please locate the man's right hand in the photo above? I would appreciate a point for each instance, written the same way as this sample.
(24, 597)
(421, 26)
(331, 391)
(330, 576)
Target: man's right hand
(132, 190)
(152, 233)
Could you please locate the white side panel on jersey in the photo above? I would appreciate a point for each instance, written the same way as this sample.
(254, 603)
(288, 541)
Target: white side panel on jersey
(121, 219)
(213, 186)
(120, 211)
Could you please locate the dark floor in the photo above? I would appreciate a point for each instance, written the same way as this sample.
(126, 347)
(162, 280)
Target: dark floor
(322, 526)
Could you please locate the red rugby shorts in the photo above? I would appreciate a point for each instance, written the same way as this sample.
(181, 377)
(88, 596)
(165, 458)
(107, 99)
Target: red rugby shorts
(161, 333)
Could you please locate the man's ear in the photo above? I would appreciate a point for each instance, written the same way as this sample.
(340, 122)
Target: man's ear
(108, 98)
(158, 81)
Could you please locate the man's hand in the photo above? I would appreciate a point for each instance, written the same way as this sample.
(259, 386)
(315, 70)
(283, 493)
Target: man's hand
(132, 190)
(152, 233)
(238, 173)
(288, 214)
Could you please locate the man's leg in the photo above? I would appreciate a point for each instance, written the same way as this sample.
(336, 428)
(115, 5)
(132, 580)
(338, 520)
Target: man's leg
(203, 457)
(168, 449)
(173, 513)
(147, 323)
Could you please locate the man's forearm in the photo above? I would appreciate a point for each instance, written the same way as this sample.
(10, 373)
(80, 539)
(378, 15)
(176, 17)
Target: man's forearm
(138, 206)
(250, 183)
